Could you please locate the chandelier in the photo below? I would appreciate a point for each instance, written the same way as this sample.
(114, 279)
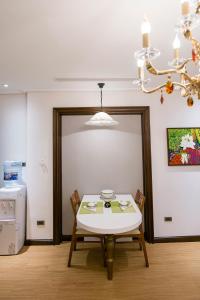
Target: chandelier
(189, 85)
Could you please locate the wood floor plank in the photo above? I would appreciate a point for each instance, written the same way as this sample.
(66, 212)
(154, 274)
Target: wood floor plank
(40, 272)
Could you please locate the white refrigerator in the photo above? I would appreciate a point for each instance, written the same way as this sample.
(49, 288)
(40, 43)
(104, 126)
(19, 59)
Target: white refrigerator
(12, 219)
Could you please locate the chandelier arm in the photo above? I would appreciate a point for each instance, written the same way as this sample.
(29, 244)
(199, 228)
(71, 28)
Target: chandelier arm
(152, 90)
(181, 66)
(151, 69)
(187, 77)
(162, 86)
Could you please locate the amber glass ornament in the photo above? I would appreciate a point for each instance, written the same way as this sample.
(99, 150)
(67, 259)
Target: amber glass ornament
(169, 87)
(194, 56)
(190, 101)
(161, 98)
(187, 34)
(198, 9)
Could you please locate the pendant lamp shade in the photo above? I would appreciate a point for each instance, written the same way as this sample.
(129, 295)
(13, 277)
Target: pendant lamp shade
(101, 118)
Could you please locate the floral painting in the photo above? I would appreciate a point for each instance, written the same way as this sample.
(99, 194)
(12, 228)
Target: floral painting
(183, 146)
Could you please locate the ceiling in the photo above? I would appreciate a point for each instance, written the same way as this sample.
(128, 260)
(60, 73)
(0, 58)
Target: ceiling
(80, 41)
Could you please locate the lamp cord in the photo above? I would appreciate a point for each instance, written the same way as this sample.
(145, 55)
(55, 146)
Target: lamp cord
(101, 85)
(101, 100)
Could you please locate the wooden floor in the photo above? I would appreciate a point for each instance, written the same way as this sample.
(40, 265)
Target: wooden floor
(40, 272)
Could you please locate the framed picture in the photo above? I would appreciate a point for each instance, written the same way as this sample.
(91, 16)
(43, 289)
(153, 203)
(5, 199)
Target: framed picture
(183, 146)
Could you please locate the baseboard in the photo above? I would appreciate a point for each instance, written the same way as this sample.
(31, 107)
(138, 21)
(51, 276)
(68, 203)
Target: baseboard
(177, 239)
(67, 237)
(168, 239)
(38, 242)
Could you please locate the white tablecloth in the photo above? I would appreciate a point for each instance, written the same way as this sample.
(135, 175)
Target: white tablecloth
(108, 222)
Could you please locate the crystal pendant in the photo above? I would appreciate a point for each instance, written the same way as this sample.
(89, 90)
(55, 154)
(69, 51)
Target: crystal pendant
(161, 98)
(169, 87)
(194, 56)
(190, 101)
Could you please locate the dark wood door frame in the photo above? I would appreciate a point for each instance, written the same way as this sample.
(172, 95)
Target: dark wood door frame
(57, 161)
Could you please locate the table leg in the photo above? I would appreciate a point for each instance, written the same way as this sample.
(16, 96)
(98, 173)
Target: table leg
(109, 255)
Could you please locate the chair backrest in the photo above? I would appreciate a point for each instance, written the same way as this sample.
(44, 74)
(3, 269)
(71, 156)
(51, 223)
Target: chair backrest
(77, 197)
(75, 202)
(140, 199)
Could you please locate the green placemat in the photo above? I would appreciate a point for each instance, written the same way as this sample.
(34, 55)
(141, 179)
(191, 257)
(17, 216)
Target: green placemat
(116, 208)
(86, 210)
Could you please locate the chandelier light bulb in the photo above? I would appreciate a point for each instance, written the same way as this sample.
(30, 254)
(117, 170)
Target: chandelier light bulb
(146, 26)
(176, 42)
(176, 47)
(140, 63)
(145, 29)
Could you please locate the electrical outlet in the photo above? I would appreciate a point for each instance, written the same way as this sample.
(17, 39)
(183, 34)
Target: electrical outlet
(40, 222)
(168, 219)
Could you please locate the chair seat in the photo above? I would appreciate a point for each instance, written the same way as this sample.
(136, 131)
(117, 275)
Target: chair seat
(129, 233)
(84, 232)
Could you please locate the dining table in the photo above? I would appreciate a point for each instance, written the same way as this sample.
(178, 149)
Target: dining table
(108, 221)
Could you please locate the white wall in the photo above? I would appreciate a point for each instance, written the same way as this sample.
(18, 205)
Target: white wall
(12, 129)
(94, 159)
(176, 190)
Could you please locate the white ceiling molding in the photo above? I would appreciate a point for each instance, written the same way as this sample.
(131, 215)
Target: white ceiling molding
(97, 79)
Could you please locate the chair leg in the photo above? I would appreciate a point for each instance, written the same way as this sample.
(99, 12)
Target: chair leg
(144, 250)
(140, 245)
(71, 250)
(75, 242)
(115, 241)
(103, 251)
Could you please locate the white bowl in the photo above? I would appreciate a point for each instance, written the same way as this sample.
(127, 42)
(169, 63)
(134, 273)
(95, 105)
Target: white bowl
(107, 194)
(110, 196)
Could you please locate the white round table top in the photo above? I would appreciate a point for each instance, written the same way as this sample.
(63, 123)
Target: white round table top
(108, 222)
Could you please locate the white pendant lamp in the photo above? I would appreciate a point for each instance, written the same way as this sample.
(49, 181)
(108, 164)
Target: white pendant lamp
(101, 118)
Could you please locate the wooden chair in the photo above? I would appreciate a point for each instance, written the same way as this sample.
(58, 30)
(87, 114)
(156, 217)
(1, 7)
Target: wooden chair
(138, 233)
(78, 232)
